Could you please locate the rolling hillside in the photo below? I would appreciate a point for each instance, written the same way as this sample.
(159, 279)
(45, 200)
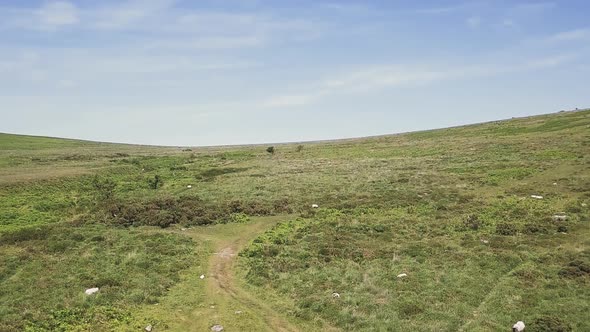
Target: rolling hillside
(488, 222)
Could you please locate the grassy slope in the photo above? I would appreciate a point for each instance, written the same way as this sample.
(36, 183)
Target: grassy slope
(389, 204)
(452, 209)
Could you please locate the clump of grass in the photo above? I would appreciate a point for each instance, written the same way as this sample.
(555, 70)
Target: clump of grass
(550, 324)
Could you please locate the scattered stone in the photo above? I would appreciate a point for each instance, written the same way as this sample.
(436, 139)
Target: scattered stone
(189, 186)
(554, 183)
(238, 312)
(584, 204)
(536, 196)
(402, 275)
(183, 229)
(559, 217)
(217, 328)
(314, 206)
(148, 328)
(518, 327)
(91, 291)
(202, 276)
(212, 307)
(485, 241)
(335, 295)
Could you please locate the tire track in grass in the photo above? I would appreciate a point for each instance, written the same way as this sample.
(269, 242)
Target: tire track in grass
(490, 294)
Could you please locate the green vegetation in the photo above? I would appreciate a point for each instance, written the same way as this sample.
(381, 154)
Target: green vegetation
(44, 272)
(451, 208)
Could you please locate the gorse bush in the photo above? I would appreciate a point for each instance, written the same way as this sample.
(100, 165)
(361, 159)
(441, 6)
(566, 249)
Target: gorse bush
(186, 210)
(506, 229)
(155, 182)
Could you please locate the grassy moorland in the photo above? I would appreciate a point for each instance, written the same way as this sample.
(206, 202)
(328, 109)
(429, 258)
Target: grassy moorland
(450, 208)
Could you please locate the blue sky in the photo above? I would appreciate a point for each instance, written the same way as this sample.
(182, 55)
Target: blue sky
(247, 71)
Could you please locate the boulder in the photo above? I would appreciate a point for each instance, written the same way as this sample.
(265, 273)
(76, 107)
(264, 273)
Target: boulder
(91, 291)
(518, 327)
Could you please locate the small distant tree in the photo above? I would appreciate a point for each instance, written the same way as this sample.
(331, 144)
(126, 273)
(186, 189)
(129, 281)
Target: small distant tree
(155, 182)
(105, 187)
(299, 148)
(270, 149)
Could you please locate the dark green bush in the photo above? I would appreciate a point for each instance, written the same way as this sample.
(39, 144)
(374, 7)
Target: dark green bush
(576, 268)
(506, 229)
(156, 182)
(536, 228)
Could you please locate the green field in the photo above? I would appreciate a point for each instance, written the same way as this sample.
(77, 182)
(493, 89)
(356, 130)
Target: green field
(450, 208)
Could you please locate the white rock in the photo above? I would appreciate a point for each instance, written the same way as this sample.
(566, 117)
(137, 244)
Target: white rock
(559, 217)
(189, 186)
(537, 196)
(584, 204)
(485, 241)
(554, 183)
(238, 312)
(402, 275)
(518, 327)
(202, 276)
(217, 328)
(148, 328)
(91, 291)
(183, 229)
(314, 206)
(335, 295)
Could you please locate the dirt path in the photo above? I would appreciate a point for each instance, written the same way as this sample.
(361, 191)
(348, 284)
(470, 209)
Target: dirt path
(220, 298)
(196, 304)
(221, 284)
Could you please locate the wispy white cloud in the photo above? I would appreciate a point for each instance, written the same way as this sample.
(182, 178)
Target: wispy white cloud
(50, 16)
(58, 13)
(550, 61)
(160, 20)
(349, 8)
(571, 35)
(282, 101)
(507, 23)
(533, 7)
(474, 21)
(53, 15)
(209, 43)
(375, 78)
(443, 10)
(515, 15)
(126, 13)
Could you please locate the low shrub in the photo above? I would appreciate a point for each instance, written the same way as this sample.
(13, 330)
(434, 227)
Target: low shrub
(506, 229)
(550, 324)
